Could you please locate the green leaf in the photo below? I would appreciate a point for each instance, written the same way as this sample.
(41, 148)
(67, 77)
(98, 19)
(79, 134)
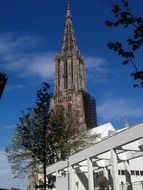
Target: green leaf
(139, 20)
(110, 45)
(116, 9)
(109, 23)
(125, 62)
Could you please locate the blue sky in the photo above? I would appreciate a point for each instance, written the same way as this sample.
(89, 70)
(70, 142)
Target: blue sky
(31, 32)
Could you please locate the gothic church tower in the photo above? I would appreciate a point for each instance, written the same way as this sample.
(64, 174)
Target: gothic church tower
(70, 91)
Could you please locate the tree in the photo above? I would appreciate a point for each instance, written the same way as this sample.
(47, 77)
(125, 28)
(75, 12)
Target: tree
(30, 147)
(3, 81)
(67, 135)
(124, 17)
(44, 136)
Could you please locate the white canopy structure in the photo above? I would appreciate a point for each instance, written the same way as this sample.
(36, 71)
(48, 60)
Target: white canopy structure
(115, 162)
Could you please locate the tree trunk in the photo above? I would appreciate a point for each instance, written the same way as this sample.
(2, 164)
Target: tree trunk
(44, 173)
(44, 164)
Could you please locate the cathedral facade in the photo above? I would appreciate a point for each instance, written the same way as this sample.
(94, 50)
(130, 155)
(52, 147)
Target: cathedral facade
(70, 91)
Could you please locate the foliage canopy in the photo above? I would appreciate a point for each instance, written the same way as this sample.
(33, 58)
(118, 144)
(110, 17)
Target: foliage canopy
(44, 136)
(124, 17)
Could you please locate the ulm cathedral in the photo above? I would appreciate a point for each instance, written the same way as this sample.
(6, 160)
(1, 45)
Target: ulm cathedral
(70, 91)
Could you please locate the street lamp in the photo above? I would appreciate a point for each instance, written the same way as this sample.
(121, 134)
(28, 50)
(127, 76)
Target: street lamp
(3, 80)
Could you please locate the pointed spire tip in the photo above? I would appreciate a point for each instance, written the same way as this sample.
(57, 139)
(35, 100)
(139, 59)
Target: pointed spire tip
(68, 2)
(68, 9)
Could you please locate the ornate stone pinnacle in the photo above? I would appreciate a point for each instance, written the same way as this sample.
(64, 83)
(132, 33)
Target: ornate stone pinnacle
(69, 41)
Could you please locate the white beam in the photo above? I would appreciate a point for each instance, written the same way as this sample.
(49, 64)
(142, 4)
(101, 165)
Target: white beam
(119, 139)
(105, 171)
(140, 144)
(128, 175)
(71, 178)
(90, 175)
(115, 170)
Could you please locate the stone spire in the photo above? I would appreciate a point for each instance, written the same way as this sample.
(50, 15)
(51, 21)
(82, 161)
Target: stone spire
(70, 67)
(70, 92)
(69, 42)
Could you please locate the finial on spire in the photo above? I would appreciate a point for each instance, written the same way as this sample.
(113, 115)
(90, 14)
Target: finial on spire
(68, 9)
(69, 41)
(68, 3)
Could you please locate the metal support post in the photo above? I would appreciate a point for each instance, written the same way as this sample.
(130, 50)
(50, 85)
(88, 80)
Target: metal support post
(128, 175)
(106, 177)
(71, 178)
(90, 175)
(115, 170)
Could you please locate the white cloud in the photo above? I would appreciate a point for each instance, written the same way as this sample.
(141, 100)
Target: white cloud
(6, 180)
(20, 55)
(41, 65)
(36, 65)
(97, 66)
(14, 87)
(95, 62)
(117, 109)
(10, 43)
(11, 126)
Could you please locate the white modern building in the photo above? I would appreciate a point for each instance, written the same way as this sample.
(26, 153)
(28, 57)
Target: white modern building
(114, 161)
